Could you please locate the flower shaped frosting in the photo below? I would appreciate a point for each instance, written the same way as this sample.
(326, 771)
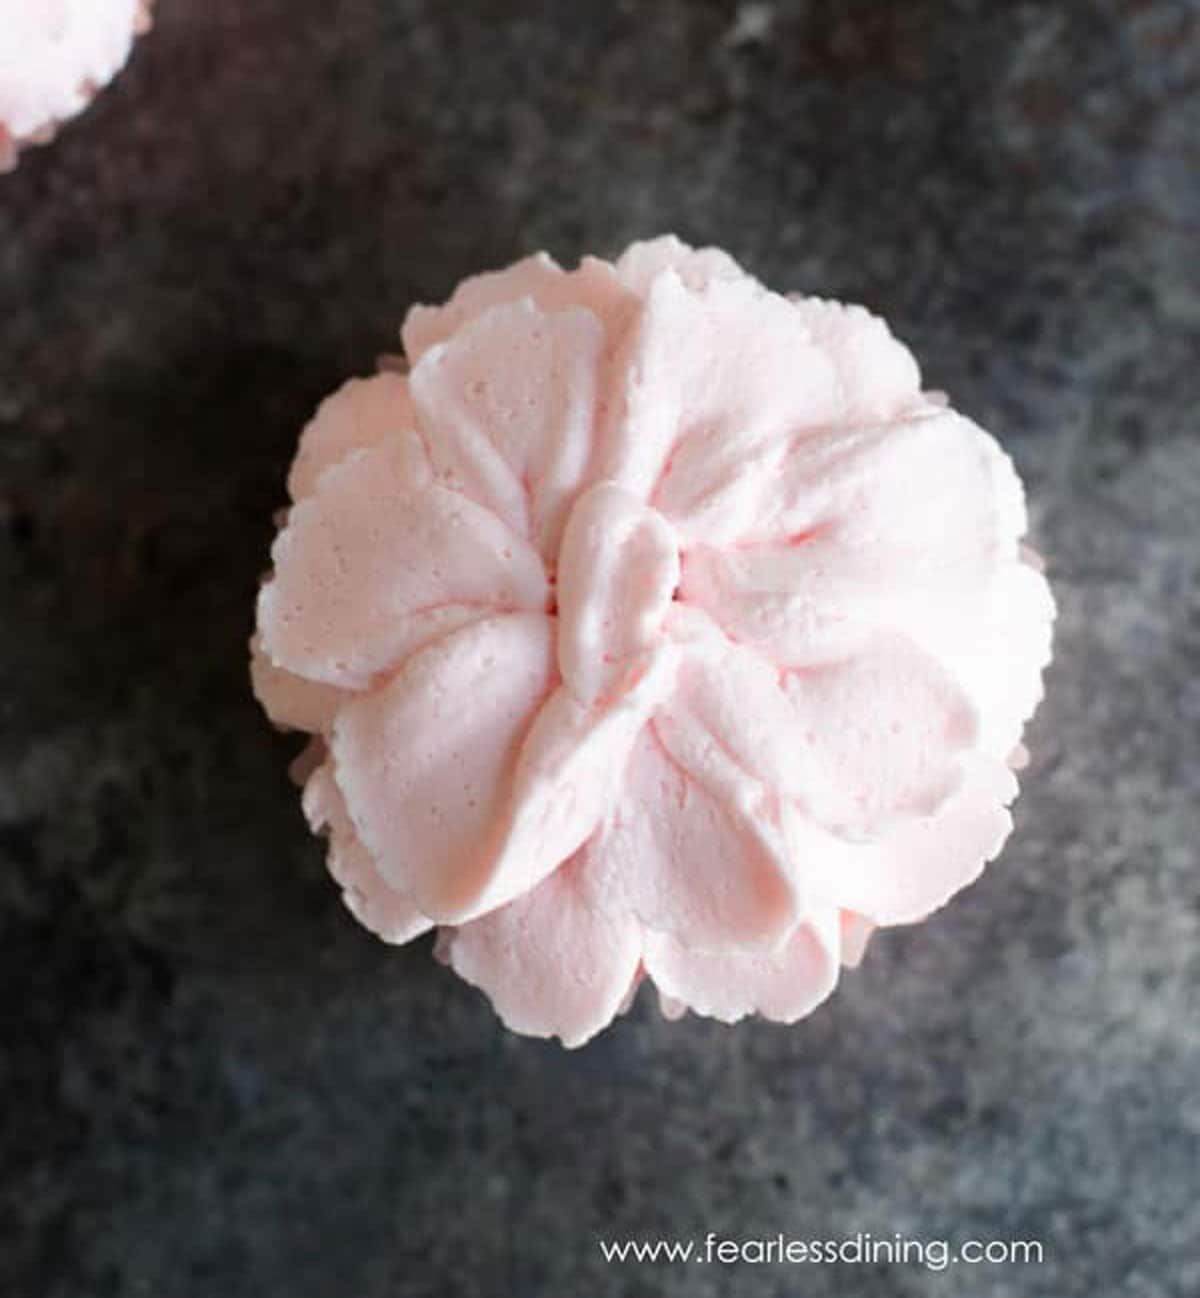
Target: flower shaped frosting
(54, 56)
(653, 625)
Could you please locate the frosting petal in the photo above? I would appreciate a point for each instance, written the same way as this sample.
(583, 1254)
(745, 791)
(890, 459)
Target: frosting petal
(885, 731)
(508, 406)
(694, 848)
(641, 263)
(859, 744)
(783, 985)
(359, 415)
(552, 768)
(291, 701)
(555, 962)
(594, 286)
(390, 914)
(884, 503)
(426, 326)
(426, 762)
(922, 863)
(856, 527)
(997, 656)
(712, 374)
(570, 772)
(878, 378)
(369, 550)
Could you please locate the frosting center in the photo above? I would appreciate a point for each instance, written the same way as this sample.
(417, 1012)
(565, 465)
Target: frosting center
(618, 571)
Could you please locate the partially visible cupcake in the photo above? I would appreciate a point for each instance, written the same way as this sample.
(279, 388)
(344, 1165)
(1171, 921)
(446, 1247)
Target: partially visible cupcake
(55, 55)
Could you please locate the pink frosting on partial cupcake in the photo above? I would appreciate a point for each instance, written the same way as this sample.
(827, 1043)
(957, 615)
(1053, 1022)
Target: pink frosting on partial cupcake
(54, 56)
(654, 625)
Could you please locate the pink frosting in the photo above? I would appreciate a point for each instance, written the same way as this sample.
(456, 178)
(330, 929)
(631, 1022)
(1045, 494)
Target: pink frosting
(654, 625)
(54, 56)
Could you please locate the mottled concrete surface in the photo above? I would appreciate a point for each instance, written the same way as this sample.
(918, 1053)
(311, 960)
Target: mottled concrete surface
(213, 1083)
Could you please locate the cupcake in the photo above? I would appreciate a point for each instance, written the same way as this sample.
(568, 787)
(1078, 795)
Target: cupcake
(55, 55)
(651, 626)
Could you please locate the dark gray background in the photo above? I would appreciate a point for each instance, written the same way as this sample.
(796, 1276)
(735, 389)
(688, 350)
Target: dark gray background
(213, 1082)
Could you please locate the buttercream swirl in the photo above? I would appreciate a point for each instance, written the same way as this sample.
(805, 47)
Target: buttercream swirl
(653, 624)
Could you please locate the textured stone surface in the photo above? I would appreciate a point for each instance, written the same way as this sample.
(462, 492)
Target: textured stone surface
(213, 1082)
